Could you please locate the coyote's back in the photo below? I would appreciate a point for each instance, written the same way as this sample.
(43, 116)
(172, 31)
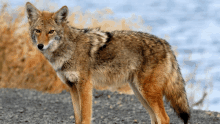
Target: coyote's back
(123, 61)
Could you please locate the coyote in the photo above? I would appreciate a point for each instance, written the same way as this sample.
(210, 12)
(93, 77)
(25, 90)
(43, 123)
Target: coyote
(123, 61)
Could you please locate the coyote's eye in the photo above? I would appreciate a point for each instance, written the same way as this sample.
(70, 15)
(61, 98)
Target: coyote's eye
(37, 31)
(51, 32)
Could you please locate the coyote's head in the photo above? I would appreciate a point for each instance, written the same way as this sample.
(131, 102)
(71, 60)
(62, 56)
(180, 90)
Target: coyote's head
(46, 28)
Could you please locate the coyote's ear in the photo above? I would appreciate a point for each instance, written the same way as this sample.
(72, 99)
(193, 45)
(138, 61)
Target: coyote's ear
(33, 12)
(61, 15)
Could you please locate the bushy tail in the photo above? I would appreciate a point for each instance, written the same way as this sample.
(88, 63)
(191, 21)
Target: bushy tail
(175, 93)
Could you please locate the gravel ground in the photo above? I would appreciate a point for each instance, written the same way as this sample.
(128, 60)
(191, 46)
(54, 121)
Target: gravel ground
(19, 106)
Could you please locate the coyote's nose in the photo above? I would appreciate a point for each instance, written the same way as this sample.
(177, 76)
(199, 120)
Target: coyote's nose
(40, 46)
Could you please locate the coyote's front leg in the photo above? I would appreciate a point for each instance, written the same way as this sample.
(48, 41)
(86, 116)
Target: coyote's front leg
(83, 110)
(76, 103)
(85, 93)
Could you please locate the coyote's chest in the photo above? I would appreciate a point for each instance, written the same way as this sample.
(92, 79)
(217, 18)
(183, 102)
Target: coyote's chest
(70, 75)
(63, 69)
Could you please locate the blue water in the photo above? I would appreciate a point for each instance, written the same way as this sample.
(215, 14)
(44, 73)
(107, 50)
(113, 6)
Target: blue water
(193, 26)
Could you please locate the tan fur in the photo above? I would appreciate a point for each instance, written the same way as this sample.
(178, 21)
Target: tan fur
(123, 61)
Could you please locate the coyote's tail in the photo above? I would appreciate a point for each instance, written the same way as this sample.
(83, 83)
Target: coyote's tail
(175, 93)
